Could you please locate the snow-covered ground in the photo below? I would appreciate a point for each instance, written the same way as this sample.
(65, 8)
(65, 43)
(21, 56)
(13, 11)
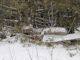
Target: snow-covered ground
(16, 51)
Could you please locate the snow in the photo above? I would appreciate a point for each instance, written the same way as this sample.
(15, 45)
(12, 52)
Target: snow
(27, 27)
(34, 52)
(19, 51)
(52, 38)
(78, 30)
(10, 39)
(39, 30)
(72, 36)
(56, 38)
(54, 30)
(57, 29)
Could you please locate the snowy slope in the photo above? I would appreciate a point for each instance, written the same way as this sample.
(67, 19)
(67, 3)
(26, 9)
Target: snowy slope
(18, 52)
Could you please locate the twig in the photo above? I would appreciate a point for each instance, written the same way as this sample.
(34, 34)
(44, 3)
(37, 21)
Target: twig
(29, 54)
(10, 53)
(37, 53)
(14, 53)
(52, 53)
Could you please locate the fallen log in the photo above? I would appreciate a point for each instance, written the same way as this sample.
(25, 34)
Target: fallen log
(58, 38)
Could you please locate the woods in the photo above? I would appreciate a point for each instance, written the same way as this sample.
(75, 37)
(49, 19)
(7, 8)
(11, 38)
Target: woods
(41, 13)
